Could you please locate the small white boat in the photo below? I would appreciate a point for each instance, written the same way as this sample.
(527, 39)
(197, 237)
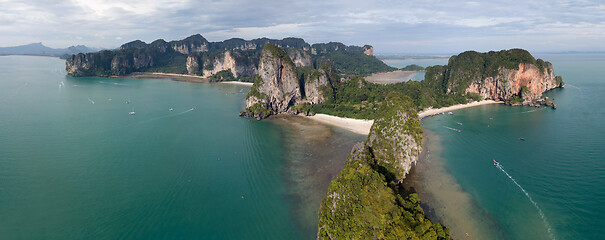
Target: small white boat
(172, 109)
(133, 112)
(450, 113)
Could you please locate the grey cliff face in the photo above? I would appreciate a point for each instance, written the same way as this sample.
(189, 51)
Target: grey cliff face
(314, 83)
(300, 58)
(193, 65)
(396, 140)
(281, 84)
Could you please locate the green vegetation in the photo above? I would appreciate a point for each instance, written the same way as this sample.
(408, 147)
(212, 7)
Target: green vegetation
(355, 63)
(259, 109)
(258, 81)
(362, 203)
(224, 75)
(279, 53)
(473, 66)
(413, 67)
(559, 81)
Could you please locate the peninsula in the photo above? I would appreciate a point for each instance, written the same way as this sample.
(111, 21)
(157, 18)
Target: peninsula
(366, 200)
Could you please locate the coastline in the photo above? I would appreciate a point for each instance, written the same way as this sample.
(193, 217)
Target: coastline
(396, 76)
(359, 126)
(363, 126)
(179, 77)
(435, 111)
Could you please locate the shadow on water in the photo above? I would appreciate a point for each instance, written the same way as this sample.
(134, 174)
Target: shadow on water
(444, 200)
(315, 154)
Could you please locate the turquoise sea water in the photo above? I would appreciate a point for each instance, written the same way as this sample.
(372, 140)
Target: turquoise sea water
(558, 171)
(74, 164)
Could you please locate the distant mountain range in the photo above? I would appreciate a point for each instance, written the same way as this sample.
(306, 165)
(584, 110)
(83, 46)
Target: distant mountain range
(37, 49)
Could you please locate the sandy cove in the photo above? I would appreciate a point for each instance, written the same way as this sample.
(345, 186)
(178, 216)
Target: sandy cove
(362, 126)
(179, 77)
(434, 111)
(396, 76)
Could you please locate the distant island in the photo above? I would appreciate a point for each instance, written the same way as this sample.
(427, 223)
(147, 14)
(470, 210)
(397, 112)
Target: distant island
(365, 201)
(233, 59)
(38, 49)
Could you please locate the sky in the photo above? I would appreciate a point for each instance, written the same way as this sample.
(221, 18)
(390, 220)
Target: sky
(392, 27)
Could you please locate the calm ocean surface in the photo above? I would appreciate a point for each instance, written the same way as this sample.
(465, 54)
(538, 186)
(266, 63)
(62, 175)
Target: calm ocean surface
(558, 190)
(74, 164)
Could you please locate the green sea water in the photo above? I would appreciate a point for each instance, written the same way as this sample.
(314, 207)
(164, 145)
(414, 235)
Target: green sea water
(550, 186)
(74, 164)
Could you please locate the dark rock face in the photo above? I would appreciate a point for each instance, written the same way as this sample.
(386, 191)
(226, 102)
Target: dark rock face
(278, 87)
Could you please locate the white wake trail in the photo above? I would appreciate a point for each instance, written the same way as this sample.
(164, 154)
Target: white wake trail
(91, 101)
(453, 129)
(548, 228)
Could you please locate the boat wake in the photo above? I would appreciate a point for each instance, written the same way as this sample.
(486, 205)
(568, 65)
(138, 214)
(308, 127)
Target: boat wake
(166, 116)
(548, 228)
(572, 86)
(91, 101)
(453, 129)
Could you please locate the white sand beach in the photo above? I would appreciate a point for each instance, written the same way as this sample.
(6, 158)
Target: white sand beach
(238, 82)
(360, 126)
(434, 111)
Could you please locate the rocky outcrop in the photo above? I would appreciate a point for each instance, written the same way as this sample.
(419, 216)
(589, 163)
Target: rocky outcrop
(396, 137)
(513, 76)
(315, 84)
(364, 201)
(278, 87)
(193, 65)
(510, 82)
(300, 58)
(192, 44)
(220, 63)
(368, 50)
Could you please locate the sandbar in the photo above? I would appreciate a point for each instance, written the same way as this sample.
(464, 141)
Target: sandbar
(396, 76)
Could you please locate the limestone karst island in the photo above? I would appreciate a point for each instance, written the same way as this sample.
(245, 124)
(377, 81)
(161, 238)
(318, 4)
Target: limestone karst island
(314, 120)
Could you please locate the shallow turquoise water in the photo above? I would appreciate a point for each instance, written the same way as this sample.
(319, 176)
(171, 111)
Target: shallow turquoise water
(75, 165)
(561, 164)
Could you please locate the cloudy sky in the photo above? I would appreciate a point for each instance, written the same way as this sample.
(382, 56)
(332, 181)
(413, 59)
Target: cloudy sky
(415, 26)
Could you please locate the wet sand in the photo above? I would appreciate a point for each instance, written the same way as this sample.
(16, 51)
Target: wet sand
(443, 199)
(396, 76)
(179, 77)
(359, 126)
(315, 154)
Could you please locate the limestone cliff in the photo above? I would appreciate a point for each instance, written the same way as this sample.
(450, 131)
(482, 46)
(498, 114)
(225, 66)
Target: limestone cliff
(509, 83)
(364, 202)
(277, 88)
(315, 84)
(396, 137)
(300, 58)
(505, 75)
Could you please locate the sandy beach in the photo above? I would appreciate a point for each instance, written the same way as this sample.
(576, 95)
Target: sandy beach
(434, 111)
(238, 82)
(362, 126)
(173, 76)
(359, 126)
(391, 77)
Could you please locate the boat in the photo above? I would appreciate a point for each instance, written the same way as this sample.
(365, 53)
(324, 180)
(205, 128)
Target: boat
(172, 109)
(496, 163)
(133, 112)
(522, 139)
(460, 123)
(450, 113)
